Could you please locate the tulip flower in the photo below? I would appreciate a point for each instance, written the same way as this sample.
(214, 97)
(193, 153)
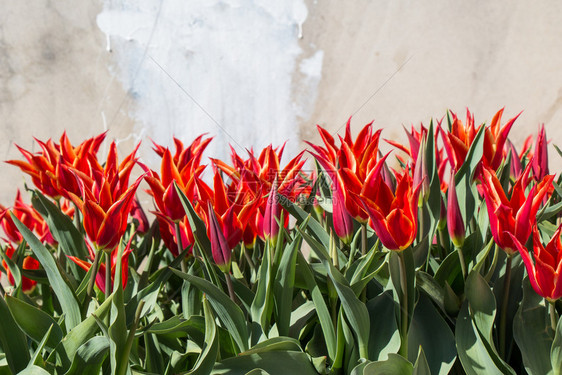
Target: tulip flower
(343, 222)
(352, 161)
(30, 218)
(45, 167)
(455, 223)
(272, 215)
(219, 246)
(106, 199)
(545, 268)
(393, 215)
(139, 216)
(540, 156)
(252, 182)
(512, 218)
(180, 168)
(458, 140)
(29, 263)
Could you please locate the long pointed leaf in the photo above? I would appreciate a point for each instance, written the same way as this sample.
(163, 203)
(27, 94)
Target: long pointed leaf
(12, 340)
(66, 297)
(227, 311)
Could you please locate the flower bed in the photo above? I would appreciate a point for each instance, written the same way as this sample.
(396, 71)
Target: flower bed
(442, 256)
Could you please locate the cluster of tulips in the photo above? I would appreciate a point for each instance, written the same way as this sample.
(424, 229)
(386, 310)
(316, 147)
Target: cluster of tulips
(441, 256)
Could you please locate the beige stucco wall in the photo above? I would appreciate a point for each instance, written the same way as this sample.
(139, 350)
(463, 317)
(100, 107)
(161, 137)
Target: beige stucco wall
(397, 62)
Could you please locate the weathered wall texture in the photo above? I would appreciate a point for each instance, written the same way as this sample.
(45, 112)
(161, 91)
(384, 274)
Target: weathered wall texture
(254, 72)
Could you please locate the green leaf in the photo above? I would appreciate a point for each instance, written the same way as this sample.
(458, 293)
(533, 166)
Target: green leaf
(89, 357)
(556, 350)
(33, 370)
(153, 361)
(421, 367)
(199, 231)
(118, 348)
(36, 359)
(12, 340)
(66, 297)
(61, 226)
(262, 306)
(430, 331)
(283, 286)
(227, 311)
(275, 344)
(312, 225)
(355, 310)
(35, 322)
(208, 356)
(466, 191)
(321, 308)
(149, 294)
(395, 274)
(473, 333)
(384, 337)
(532, 332)
(13, 267)
(365, 268)
(85, 330)
(273, 362)
(257, 371)
(395, 364)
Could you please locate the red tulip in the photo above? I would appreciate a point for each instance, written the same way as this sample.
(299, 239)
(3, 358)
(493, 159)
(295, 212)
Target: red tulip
(512, 218)
(458, 140)
(343, 222)
(49, 167)
(219, 246)
(545, 268)
(455, 223)
(393, 215)
(29, 263)
(352, 161)
(106, 199)
(30, 218)
(540, 156)
(272, 215)
(252, 182)
(180, 168)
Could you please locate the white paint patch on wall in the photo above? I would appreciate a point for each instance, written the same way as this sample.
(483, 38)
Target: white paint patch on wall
(233, 63)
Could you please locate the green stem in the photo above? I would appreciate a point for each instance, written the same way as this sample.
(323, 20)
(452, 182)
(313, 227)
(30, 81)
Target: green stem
(108, 286)
(505, 301)
(420, 221)
(462, 262)
(122, 366)
(95, 268)
(363, 296)
(230, 287)
(180, 246)
(363, 238)
(444, 243)
(340, 347)
(553, 317)
(403, 308)
(248, 258)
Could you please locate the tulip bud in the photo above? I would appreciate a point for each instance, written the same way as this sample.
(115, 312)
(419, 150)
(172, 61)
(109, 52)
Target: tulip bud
(540, 156)
(272, 215)
(219, 246)
(455, 223)
(343, 222)
(421, 175)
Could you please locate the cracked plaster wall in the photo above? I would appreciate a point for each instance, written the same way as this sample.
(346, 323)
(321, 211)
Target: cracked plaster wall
(397, 62)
